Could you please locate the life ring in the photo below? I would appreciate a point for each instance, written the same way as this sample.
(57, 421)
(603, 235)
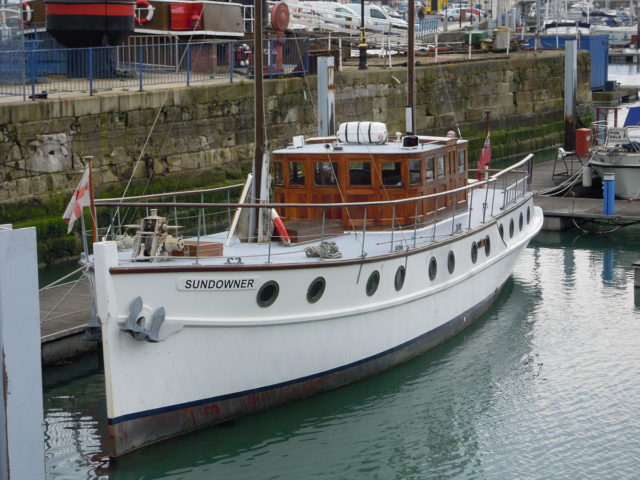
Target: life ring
(144, 4)
(243, 55)
(280, 228)
(27, 13)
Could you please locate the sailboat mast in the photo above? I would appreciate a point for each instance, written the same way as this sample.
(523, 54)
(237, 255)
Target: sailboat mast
(259, 119)
(411, 96)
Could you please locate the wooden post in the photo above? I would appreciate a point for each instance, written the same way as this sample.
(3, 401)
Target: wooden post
(92, 204)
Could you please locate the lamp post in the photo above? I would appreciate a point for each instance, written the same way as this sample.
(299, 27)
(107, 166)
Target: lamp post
(362, 65)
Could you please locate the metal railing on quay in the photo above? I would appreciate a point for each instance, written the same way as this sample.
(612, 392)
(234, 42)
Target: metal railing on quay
(37, 66)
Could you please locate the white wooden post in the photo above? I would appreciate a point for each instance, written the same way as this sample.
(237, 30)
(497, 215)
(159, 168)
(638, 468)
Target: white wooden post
(21, 422)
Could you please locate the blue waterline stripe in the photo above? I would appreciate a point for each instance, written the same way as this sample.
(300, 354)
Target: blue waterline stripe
(206, 401)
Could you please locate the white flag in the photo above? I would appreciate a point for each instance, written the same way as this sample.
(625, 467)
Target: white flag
(79, 200)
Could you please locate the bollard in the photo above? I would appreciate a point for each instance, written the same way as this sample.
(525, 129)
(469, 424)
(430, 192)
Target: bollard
(587, 176)
(609, 186)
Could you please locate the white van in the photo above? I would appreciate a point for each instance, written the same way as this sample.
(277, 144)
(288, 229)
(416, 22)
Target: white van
(327, 11)
(374, 15)
(378, 16)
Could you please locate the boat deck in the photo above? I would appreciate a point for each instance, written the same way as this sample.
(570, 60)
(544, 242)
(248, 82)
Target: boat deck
(352, 244)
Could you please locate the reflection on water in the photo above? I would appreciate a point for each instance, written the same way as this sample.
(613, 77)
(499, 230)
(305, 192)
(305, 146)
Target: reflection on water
(544, 386)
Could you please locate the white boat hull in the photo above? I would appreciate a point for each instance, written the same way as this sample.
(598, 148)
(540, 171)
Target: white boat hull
(240, 358)
(626, 167)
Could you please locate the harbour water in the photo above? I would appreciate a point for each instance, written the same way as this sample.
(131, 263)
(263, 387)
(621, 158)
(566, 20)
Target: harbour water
(546, 385)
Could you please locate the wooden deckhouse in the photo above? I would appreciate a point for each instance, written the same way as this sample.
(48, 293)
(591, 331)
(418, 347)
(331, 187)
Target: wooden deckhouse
(325, 170)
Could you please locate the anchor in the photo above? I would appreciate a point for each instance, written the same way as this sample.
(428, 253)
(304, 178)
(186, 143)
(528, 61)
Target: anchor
(135, 323)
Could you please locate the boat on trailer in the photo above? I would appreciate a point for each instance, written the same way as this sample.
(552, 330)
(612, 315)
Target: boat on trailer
(372, 250)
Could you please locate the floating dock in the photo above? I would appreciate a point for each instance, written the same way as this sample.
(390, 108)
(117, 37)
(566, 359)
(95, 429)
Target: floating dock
(556, 183)
(64, 311)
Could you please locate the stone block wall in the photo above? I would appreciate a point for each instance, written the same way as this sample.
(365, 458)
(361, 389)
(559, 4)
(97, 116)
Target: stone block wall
(208, 130)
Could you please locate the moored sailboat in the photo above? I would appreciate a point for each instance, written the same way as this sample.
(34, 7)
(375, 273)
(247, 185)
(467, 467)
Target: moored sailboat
(373, 250)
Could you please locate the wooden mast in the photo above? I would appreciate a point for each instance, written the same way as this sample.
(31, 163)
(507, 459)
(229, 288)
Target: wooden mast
(259, 120)
(410, 120)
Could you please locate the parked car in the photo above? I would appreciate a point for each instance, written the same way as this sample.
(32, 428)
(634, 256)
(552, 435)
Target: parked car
(476, 12)
(451, 13)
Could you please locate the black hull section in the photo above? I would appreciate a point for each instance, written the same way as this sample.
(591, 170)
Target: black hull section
(77, 25)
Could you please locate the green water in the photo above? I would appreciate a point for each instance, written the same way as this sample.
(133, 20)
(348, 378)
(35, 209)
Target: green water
(545, 386)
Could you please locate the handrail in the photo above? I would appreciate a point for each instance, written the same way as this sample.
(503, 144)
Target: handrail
(491, 180)
(172, 194)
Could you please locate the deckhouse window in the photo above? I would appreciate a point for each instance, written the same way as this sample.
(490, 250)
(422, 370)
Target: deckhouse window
(325, 173)
(391, 174)
(430, 176)
(441, 165)
(360, 173)
(278, 177)
(414, 172)
(296, 173)
(460, 161)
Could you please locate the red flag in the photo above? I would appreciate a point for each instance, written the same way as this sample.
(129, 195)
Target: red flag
(79, 200)
(485, 156)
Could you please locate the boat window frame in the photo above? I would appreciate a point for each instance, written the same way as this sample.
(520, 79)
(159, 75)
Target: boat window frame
(349, 170)
(441, 162)
(420, 171)
(398, 281)
(462, 160)
(431, 160)
(381, 169)
(304, 174)
(313, 297)
(334, 169)
(274, 296)
(278, 165)
(372, 285)
(433, 268)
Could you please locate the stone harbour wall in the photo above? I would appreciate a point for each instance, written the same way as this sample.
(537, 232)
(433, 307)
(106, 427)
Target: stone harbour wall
(207, 131)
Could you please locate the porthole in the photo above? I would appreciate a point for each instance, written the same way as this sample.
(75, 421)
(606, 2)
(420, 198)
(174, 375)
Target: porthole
(399, 280)
(487, 245)
(315, 290)
(511, 228)
(528, 215)
(474, 252)
(520, 222)
(268, 293)
(373, 282)
(433, 268)
(451, 262)
(501, 231)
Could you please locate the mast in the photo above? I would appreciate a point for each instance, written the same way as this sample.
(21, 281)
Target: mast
(410, 120)
(259, 121)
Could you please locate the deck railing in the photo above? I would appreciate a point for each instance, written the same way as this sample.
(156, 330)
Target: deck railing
(199, 217)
